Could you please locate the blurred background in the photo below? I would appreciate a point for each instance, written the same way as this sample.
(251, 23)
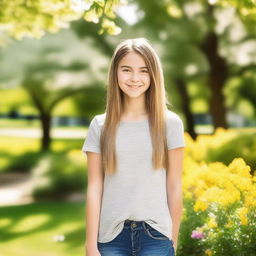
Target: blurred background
(54, 58)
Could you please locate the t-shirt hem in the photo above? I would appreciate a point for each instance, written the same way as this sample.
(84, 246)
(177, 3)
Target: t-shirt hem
(113, 235)
(90, 149)
(177, 146)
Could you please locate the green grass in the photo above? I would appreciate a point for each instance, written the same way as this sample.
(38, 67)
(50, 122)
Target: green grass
(29, 230)
(20, 152)
(17, 123)
(12, 148)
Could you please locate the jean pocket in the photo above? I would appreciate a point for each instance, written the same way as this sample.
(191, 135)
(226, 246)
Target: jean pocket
(153, 233)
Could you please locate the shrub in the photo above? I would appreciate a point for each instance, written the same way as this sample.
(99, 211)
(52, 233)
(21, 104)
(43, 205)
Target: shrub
(58, 174)
(223, 146)
(243, 146)
(23, 163)
(220, 209)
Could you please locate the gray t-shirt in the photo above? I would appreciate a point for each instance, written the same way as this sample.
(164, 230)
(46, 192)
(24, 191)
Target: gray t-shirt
(136, 191)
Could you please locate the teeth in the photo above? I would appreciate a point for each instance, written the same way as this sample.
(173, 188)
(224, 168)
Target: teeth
(134, 86)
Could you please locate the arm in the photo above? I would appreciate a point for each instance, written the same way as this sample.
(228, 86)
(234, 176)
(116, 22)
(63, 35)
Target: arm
(93, 199)
(174, 189)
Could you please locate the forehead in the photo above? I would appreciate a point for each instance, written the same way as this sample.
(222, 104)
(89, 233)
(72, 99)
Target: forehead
(133, 59)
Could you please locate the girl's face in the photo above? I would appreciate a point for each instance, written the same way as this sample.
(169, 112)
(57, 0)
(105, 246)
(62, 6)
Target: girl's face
(133, 75)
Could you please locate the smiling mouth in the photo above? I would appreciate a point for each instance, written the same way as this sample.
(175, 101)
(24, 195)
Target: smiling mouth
(133, 86)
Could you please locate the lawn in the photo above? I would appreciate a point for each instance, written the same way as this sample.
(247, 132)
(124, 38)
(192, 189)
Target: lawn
(31, 229)
(18, 153)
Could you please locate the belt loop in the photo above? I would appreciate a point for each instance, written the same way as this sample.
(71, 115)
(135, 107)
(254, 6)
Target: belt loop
(144, 225)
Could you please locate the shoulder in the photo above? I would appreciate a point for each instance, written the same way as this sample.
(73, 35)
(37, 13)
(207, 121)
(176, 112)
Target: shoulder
(174, 123)
(99, 120)
(172, 117)
(175, 131)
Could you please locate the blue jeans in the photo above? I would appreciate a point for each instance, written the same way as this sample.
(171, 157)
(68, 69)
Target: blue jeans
(137, 239)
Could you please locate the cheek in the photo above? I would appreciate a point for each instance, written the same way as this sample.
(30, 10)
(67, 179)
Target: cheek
(121, 76)
(147, 80)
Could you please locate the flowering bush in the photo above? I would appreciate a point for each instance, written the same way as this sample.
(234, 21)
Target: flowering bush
(219, 215)
(223, 146)
(198, 149)
(224, 200)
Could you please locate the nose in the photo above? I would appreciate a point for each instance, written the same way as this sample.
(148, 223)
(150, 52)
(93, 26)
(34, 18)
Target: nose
(134, 77)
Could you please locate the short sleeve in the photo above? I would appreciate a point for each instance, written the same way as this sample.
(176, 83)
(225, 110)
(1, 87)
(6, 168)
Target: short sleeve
(92, 140)
(175, 132)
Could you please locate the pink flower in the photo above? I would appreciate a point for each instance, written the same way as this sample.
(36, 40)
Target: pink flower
(197, 234)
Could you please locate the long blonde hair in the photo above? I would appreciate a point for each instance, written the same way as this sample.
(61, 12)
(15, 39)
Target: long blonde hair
(156, 108)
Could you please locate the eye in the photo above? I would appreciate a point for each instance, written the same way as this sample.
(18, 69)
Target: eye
(126, 70)
(145, 71)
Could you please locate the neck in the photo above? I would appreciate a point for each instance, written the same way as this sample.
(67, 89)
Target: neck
(135, 107)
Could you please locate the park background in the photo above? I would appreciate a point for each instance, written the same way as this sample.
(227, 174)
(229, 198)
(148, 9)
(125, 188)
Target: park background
(54, 58)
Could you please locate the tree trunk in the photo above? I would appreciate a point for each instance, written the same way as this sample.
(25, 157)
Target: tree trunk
(46, 125)
(217, 76)
(185, 104)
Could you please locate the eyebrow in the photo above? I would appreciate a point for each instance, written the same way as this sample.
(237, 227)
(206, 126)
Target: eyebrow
(126, 66)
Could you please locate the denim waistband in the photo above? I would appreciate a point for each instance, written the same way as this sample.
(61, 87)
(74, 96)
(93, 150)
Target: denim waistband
(135, 224)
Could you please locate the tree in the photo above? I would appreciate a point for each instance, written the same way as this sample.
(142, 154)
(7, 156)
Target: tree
(50, 71)
(192, 45)
(33, 18)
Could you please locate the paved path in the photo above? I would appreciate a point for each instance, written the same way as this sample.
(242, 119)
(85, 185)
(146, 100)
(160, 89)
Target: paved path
(15, 188)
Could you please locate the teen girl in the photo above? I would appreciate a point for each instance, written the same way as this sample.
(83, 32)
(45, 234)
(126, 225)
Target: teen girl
(134, 158)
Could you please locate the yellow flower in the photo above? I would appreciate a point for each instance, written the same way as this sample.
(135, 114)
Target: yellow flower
(242, 213)
(212, 223)
(200, 206)
(208, 252)
(250, 199)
